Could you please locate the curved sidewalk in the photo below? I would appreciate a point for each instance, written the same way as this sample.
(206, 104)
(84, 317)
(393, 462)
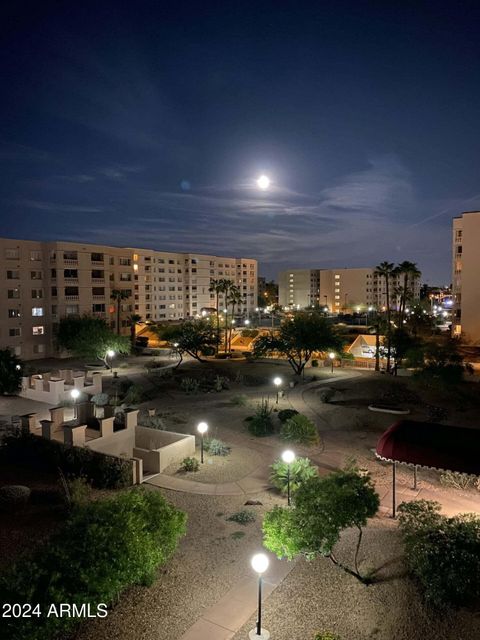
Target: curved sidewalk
(256, 482)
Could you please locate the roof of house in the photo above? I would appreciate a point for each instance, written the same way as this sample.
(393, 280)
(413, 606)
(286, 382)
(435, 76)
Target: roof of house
(367, 338)
(437, 446)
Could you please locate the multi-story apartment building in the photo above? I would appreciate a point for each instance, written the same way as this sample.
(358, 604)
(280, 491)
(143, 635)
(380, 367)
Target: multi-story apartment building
(465, 276)
(41, 282)
(339, 290)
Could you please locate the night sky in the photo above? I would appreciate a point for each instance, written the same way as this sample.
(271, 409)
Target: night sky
(147, 123)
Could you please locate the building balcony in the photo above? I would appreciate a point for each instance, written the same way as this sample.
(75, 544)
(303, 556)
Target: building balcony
(99, 298)
(71, 263)
(70, 281)
(72, 298)
(98, 280)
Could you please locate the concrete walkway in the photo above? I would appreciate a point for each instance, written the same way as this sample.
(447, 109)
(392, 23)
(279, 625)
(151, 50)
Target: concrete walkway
(236, 607)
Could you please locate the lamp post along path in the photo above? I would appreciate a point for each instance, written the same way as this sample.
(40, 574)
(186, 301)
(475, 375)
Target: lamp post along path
(260, 564)
(202, 428)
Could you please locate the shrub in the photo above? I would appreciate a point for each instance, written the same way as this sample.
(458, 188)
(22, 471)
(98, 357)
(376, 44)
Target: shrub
(220, 383)
(13, 496)
(443, 554)
(301, 469)
(242, 517)
(326, 635)
(154, 422)
(286, 414)
(314, 363)
(105, 547)
(457, 480)
(216, 447)
(300, 429)
(326, 395)
(101, 470)
(189, 385)
(239, 400)
(190, 464)
(79, 491)
(261, 424)
(134, 395)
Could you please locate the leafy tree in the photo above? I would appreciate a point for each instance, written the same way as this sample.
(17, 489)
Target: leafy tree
(89, 337)
(195, 337)
(118, 295)
(10, 372)
(443, 364)
(298, 339)
(323, 508)
(442, 553)
(301, 470)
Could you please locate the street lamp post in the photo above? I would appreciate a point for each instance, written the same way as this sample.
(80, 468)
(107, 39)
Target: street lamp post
(202, 428)
(260, 564)
(75, 393)
(110, 354)
(288, 457)
(277, 382)
(331, 355)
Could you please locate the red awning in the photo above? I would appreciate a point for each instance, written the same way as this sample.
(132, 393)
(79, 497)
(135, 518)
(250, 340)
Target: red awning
(437, 446)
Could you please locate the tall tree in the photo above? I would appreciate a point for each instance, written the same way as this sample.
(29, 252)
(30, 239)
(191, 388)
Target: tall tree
(118, 295)
(386, 270)
(217, 287)
(10, 372)
(298, 339)
(410, 273)
(234, 299)
(224, 286)
(89, 337)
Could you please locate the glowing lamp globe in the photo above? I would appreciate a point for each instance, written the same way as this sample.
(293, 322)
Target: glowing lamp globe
(202, 427)
(110, 353)
(260, 563)
(277, 381)
(331, 355)
(288, 456)
(75, 393)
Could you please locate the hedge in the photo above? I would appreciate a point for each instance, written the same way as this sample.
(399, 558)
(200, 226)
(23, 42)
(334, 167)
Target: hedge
(101, 470)
(105, 547)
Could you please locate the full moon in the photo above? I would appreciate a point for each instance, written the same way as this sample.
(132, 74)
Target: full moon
(263, 182)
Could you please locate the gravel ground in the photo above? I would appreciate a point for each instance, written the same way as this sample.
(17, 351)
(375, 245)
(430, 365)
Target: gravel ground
(239, 463)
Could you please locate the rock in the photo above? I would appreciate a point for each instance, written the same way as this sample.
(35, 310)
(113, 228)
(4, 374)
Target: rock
(253, 502)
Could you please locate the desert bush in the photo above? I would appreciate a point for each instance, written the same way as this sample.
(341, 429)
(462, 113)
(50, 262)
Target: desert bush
(100, 399)
(261, 423)
(189, 385)
(300, 429)
(286, 414)
(134, 395)
(326, 635)
(101, 470)
(220, 383)
(216, 447)
(443, 554)
(301, 469)
(457, 480)
(13, 496)
(314, 363)
(79, 491)
(190, 464)
(154, 422)
(326, 395)
(105, 547)
(239, 400)
(245, 516)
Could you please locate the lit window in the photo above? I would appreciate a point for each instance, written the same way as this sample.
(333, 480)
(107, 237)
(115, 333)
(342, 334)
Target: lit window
(38, 331)
(37, 311)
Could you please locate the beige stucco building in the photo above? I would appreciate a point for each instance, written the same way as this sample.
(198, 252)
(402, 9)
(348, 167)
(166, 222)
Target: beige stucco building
(466, 276)
(341, 290)
(41, 282)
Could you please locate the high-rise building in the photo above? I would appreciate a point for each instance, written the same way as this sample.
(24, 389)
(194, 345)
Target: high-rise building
(339, 290)
(41, 282)
(465, 276)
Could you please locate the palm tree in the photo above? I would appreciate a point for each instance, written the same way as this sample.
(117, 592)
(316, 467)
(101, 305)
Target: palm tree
(118, 295)
(410, 272)
(224, 287)
(386, 270)
(234, 298)
(133, 320)
(216, 286)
